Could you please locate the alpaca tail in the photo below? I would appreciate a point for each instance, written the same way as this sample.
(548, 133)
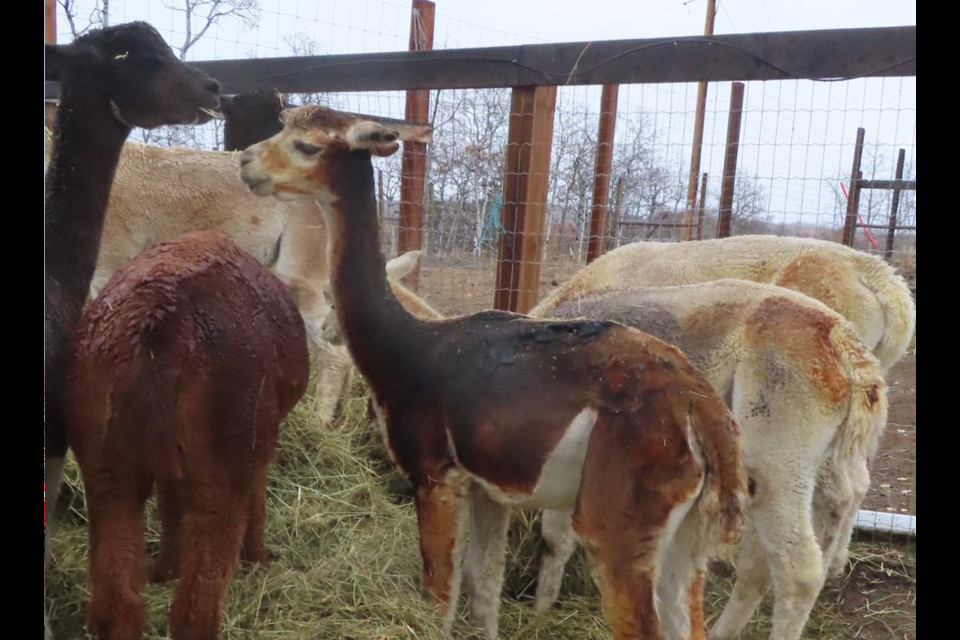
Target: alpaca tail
(859, 435)
(899, 309)
(722, 503)
(145, 400)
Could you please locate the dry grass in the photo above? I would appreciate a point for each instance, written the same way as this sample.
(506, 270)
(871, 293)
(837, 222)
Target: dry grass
(347, 566)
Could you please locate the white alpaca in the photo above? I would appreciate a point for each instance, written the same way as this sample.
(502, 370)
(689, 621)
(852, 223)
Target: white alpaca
(860, 287)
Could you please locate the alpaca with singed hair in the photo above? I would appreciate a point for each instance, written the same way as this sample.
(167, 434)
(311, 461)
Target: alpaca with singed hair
(493, 410)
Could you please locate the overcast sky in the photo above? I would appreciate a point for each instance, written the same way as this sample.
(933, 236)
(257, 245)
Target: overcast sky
(797, 135)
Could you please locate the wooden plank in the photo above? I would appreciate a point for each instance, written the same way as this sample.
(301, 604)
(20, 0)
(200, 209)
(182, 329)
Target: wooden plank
(647, 223)
(601, 171)
(530, 140)
(909, 227)
(730, 160)
(850, 220)
(901, 185)
(834, 53)
(413, 163)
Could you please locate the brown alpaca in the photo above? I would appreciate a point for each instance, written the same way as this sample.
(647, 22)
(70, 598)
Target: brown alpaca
(111, 80)
(183, 369)
(494, 410)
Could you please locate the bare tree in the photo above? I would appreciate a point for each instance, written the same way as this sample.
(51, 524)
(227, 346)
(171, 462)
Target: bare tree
(200, 15)
(98, 16)
(302, 44)
(466, 166)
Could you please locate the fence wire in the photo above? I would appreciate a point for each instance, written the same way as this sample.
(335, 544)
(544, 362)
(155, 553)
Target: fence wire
(793, 171)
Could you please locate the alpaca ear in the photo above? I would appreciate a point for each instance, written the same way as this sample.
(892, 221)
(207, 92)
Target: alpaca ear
(415, 133)
(402, 265)
(384, 139)
(54, 57)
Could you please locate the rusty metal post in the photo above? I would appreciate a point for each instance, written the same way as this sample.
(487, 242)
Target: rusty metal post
(895, 204)
(853, 198)
(413, 173)
(702, 207)
(530, 140)
(601, 171)
(697, 150)
(730, 160)
(49, 37)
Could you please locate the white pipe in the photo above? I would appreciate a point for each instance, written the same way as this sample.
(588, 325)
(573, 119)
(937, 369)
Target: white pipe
(887, 522)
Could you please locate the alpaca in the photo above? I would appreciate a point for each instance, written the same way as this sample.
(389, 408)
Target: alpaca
(811, 402)
(250, 117)
(160, 193)
(183, 369)
(862, 288)
(111, 80)
(493, 410)
(811, 428)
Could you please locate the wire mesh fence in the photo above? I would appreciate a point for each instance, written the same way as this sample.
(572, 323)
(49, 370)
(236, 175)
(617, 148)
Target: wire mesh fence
(793, 174)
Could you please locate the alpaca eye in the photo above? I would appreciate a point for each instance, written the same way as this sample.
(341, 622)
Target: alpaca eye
(306, 148)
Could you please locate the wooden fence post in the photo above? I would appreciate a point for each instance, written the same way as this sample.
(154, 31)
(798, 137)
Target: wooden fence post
(413, 172)
(601, 171)
(530, 140)
(895, 205)
(697, 150)
(853, 198)
(730, 160)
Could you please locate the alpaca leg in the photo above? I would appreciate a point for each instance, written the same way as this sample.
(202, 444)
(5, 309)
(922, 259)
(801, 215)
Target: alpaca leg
(334, 372)
(52, 475)
(796, 566)
(624, 531)
(753, 580)
(117, 559)
(441, 517)
(167, 563)
(557, 530)
(836, 501)
(212, 535)
(682, 568)
(253, 550)
(781, 516)
(625, 571)
(485, 559)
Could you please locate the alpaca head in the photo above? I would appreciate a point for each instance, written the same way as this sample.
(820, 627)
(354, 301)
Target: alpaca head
(250, 117)
(295, 163)
(131, 67)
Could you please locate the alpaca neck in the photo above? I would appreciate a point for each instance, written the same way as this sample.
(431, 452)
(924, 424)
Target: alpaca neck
(87, 143)
(380, 333)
